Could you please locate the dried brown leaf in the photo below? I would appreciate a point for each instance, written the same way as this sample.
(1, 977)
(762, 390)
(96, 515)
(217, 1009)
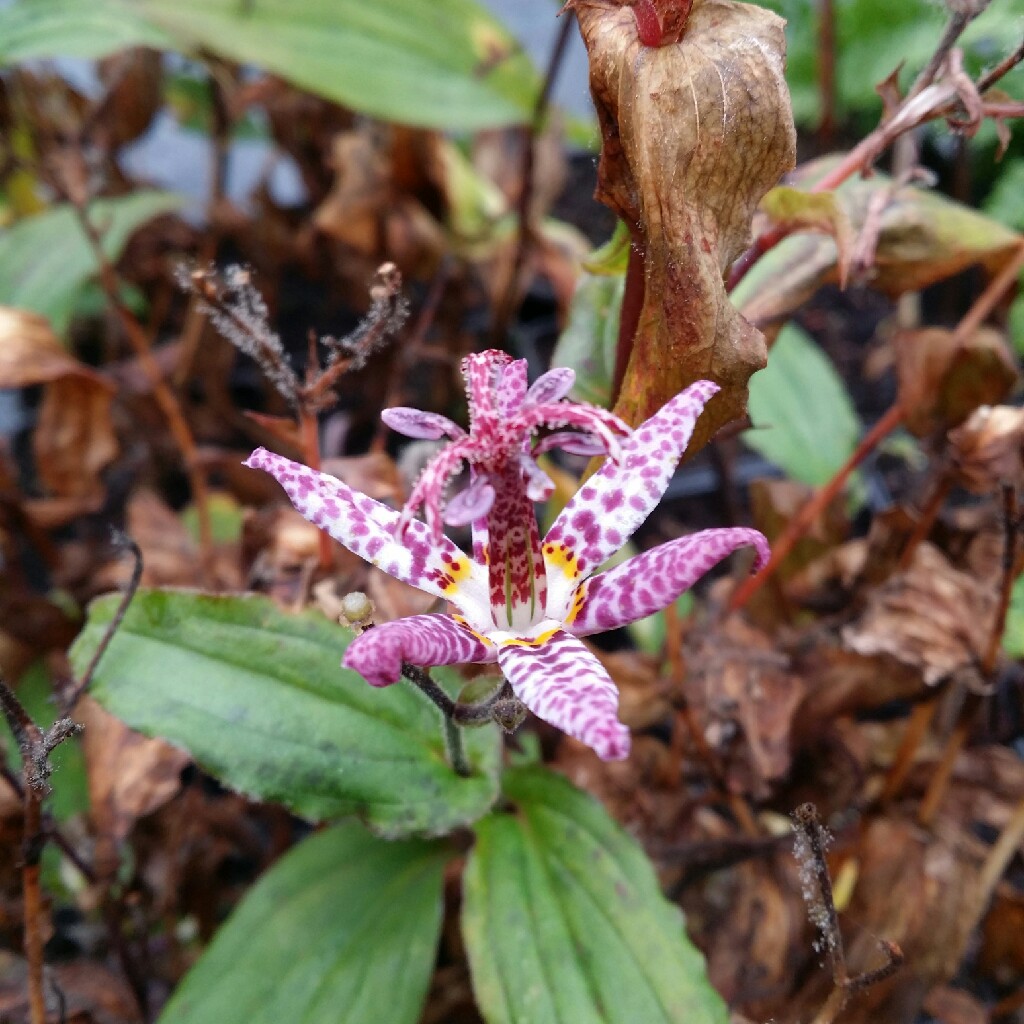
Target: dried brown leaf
(988, 450)
(130, 775)
(943, 380)
(740, 685)
(74, 439)
(919, 617)
(693, 135)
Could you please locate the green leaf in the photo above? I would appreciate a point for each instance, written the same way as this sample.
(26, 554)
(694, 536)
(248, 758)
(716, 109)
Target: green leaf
(258, 698)
(1013, 634)
(804, 420)
(46, 259)
(446, 63)
(34, 29)
(613, 256)
(564, 921)
(590, 338)
(344, 926)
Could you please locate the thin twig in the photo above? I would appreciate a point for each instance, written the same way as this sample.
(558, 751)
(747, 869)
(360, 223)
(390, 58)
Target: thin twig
(35, 746)
(531, 132)
(817, 887)
(817, 504)
(811, 843)
(162, 392)
(958, 21)
(50, 829)
(125, 543)
(413, 345)
(872, 145)
(827, 72)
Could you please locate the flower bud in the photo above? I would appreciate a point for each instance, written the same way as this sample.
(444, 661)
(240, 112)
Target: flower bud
(357, 610)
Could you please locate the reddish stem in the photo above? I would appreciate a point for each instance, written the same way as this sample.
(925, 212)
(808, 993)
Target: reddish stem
(629, 317)
(817, 504)
(648, 24)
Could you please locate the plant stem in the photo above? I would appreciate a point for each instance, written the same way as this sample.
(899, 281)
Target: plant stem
(456, 751)
(162, 393)
(531, 132)
(70, 699)
(629, 317)
(309, 434)
(802, 521)
(35, 746)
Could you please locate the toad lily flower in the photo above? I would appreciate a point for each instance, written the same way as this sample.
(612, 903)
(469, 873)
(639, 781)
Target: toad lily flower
(522, 601)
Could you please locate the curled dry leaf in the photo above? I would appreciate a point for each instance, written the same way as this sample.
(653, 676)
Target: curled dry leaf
(795, 210)
(130, 775)
(943, 380)
(374, 213)
(74, 438)
(693, 135)
(932, 618)
(988, 450)
(745, 695)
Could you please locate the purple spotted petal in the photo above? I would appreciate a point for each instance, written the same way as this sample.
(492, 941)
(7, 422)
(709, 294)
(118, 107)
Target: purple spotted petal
(424, 640)
(606, 511)
(653, 580)
(605, 426)
(470, 503)
(551, 386)
(560, 681)
(511, 388)
(571, 442)
(367, 528)
(428, 426)
(482, 371)
(539, 486)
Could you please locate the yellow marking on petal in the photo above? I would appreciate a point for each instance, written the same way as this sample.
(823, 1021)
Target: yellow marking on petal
(455, 573)
(538, 641)
(561, 557)
(578, 601)
(465, 625)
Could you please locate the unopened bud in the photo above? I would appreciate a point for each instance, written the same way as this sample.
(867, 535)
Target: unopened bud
(357, 610)
(509, 713)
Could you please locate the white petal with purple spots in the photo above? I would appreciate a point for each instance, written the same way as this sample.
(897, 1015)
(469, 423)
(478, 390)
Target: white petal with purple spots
(367, 528)
(653, 580)
(559, 680)
(606, 511)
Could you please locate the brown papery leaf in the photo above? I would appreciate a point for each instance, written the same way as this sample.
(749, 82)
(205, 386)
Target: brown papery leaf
(932, 617)
(130, 775)
(693, 135)
(943, 380)
(74, 438)
(988, 450)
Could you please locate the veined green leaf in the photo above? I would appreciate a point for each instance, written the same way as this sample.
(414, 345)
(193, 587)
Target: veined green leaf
(804, 420)
(344, 926)
(34, 29)
(565, 923)
(589, 340)
(259, 699)
(46, 259)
